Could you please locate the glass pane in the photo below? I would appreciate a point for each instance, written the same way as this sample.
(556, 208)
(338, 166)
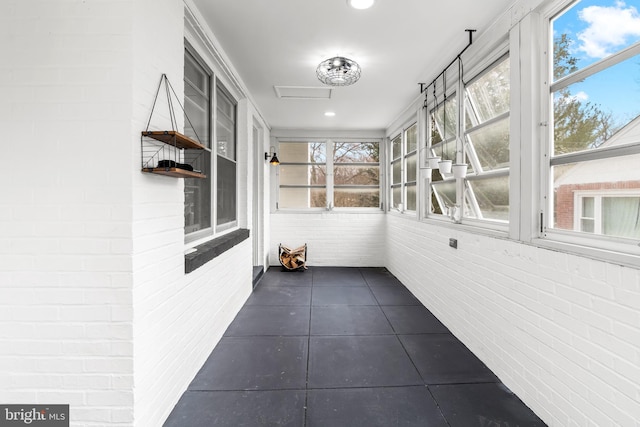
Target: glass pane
(603, 178)
(196, 101)
(491, 145)
(226, 191)
(592, 30)
(197, 199)
(302, 198)
(587, 225)
(411, 197)
(396, 196)
(197, 192)
(599, 111)
(445, 193)
(492, 196)
(225, 126)
(356, 197)
(446, 150)
(397, 172)
(196, 108)
(195, 75)
(434, 133)
(588, 208)
(396, 145)
(303, 174)
(489, 95)
(412, 162)
(356, 175)
(356, 152)
(411, 136)
(451, 111)
(302, 152)
(621, 216)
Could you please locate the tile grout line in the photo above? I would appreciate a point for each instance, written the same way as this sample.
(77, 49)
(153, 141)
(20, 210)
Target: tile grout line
(306, 384)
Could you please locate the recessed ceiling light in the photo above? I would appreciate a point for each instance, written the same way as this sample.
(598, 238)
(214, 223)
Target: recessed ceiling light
(329, 114)
(360, 4)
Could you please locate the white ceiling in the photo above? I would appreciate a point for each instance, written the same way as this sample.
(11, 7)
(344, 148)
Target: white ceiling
(398, 43)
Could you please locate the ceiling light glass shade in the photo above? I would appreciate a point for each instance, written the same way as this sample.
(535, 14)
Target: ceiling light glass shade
(338, 71)
(360, 4)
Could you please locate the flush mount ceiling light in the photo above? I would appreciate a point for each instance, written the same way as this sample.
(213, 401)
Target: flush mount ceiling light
(360, 4)
(338, 71)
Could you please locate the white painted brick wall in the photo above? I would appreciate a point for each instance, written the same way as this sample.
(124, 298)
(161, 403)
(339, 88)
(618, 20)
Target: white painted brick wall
(332, 238)
(65, 198)
(562, 331)
(178, 318)
(179, 323)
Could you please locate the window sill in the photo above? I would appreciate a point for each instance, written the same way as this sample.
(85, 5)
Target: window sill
(205, 252)
(329, 212)
(624, 255)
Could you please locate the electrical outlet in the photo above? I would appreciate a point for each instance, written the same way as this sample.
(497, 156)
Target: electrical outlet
(453, 243)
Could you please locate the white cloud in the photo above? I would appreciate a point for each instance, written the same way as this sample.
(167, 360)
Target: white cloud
(608, 28)
(581, 96)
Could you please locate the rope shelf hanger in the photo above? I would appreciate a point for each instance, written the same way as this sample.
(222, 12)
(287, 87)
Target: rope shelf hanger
(167, 154)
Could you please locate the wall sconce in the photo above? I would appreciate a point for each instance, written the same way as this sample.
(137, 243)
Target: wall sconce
(274, 160)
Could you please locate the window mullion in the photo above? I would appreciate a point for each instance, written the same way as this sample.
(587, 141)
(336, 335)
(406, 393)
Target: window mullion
(595, 68)
(330, 168)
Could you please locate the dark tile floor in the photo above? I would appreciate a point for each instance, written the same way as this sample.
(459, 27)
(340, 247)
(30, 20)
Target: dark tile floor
(334, 346)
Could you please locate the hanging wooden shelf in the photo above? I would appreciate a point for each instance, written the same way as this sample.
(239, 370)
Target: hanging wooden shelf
(172, 137)
(174, 172)
(168, 152)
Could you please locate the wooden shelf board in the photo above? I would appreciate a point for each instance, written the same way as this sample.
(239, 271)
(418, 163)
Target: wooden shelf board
(172, 137)
(174, 172)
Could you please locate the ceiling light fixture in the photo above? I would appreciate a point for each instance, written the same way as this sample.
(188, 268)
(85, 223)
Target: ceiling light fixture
(338, 71)
(360, 4)
(330, 114)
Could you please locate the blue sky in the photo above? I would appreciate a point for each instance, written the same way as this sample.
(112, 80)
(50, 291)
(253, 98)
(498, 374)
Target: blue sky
(598, 28)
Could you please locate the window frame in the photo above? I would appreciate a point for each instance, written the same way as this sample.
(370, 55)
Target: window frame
(214, 229)
(616, 249)
(404, 184)
(220, 90)
(329, 166)
(336, 165)
(204, 232)
(309, 186)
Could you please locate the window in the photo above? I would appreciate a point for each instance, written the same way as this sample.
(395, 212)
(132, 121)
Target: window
(486, 148)
(356, 174)
(442, 144)
(348, 178)
(220, 169)
(487, 100)
(197, 105)
(594, 133)
(226, 159)
(303, 175)
(611, 214)
(404, 162)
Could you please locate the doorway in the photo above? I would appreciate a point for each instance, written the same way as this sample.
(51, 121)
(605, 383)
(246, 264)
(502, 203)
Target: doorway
(257, 226)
